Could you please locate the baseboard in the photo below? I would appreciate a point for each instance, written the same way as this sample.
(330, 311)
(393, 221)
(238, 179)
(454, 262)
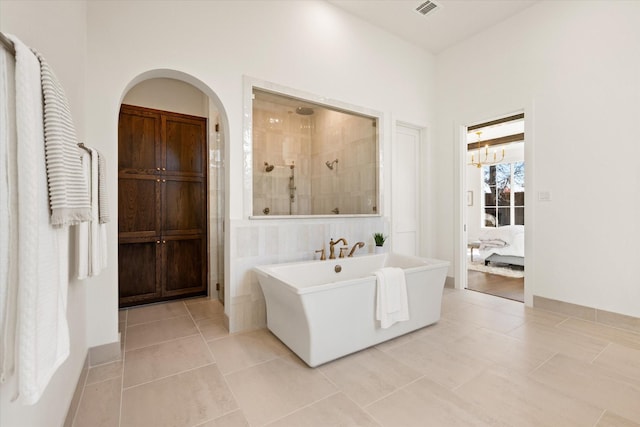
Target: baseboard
(98, 355)
(449, 282)
(603, 317)
(77, 394)
(105, 353)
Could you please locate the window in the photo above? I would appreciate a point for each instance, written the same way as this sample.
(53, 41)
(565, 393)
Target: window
(503, 194)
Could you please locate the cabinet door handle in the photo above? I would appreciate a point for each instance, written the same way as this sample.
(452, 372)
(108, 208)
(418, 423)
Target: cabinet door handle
(164, 241)
(157, 169)
(164, 180)
(158, 242)
(164, 169)
(158, 180)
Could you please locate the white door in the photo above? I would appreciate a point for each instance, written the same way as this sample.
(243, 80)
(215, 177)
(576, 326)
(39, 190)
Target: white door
(405, 190)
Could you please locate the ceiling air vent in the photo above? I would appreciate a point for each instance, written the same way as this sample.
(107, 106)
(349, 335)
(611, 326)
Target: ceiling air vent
(427, 7)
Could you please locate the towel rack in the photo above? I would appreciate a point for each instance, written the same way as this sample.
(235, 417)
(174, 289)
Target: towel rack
(8, 44)
(81, 145)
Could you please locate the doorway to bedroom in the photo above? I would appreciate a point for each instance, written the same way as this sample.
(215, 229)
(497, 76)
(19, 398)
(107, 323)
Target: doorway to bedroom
(495, 211)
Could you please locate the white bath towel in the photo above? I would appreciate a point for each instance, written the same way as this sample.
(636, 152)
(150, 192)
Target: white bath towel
(82, 230)
(42, 332)
(391, 296)
(8, 214)
(91, 236)
(103, 204)
(98, 208)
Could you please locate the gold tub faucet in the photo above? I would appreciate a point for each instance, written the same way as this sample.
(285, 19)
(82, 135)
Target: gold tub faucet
(353, 249)
(332, 253)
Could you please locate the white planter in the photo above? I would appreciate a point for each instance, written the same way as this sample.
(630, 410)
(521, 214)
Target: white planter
(379, 249)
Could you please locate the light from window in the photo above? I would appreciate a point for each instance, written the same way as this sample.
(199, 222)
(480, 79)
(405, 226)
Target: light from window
(503, 194)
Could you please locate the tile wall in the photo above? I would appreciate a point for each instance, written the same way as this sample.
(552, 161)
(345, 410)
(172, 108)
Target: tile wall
(264, 241)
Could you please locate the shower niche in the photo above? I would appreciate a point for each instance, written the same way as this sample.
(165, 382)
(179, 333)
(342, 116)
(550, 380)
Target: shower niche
(310, 157)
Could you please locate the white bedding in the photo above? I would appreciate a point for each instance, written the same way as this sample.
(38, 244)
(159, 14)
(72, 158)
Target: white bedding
(507, 240)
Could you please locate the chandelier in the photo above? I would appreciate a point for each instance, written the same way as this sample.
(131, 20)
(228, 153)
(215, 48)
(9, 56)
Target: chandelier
(479, 163)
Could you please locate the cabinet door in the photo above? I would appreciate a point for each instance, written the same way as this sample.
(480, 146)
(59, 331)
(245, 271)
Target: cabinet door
(139, 206)
(184, 148)
(184, 206)
(184, 260)
(139, 274)
(139, 141)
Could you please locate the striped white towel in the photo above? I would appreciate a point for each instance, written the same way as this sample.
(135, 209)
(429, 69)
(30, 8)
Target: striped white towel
(68, 195)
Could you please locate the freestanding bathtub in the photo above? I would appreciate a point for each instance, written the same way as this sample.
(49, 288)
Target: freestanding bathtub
(323, 310)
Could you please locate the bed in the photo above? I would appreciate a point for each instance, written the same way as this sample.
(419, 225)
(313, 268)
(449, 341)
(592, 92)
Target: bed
(502, 245)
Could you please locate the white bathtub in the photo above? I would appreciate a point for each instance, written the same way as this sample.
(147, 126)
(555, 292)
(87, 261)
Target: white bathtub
(321, 314)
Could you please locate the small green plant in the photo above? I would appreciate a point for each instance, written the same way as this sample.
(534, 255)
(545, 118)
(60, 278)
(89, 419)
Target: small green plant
(379, 238)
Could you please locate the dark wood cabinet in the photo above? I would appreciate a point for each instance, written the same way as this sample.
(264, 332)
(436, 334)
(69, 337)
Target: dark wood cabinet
(162, 205)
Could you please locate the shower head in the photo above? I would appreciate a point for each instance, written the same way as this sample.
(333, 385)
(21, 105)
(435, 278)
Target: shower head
(268, 167)
(304, 111)
(330, 164)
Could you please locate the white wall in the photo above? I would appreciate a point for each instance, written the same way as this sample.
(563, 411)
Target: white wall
(310, 46)
(168, 95)
(58, 31)
(580, 90)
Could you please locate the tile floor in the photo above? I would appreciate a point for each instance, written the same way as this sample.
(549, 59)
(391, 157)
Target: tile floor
(488, 362)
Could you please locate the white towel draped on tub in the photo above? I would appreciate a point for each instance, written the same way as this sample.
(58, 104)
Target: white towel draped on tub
(42, 338)
(391, 296)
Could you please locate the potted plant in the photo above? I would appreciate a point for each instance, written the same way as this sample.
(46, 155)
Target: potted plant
(379, 238)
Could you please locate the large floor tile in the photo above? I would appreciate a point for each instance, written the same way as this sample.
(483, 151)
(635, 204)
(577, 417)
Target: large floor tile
(271, 390)
(604, 332)
(335, 410)
(621, 359)
(609, 419)
(155, 312)
(424, 403)
(105, 372)
(151, 333)
(519, 400)
(240, 351)
(212, 328)
(445, 331)
(527, 313)
(499, 349)
(168, 358)
(100, 405)
(186, 399)
(449, 369)
(575, 345)
(233, 419)
(368, 375)
(205, 309)
(487, 318)
(598, 385)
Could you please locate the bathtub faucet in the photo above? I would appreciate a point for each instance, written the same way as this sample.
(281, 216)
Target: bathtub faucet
(332, 252)
(353, 249)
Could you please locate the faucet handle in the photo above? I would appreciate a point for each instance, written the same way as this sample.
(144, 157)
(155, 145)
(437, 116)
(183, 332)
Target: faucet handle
(343, 250)
(322, 254)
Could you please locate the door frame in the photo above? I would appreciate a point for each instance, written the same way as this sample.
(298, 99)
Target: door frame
(460, 199)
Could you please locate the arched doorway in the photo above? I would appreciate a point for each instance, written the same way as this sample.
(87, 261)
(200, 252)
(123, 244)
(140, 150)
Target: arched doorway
(187, 98)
